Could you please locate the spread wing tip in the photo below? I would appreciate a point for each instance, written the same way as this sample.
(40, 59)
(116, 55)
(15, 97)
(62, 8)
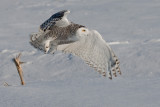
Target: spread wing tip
(52, 20)
(33, 40)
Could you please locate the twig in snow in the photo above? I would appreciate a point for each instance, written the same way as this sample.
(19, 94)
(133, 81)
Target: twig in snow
(19, 68)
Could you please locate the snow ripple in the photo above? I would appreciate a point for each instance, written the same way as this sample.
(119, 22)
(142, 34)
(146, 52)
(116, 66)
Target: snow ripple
(117, 43)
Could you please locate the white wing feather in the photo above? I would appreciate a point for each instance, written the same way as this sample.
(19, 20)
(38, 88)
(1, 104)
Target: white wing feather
(93, 50)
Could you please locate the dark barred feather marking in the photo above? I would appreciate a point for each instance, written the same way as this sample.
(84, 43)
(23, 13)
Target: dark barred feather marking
(57, 35)
(51, 21)
(63, 33)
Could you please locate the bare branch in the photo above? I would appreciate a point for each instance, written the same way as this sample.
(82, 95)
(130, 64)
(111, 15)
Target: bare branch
(19, 68)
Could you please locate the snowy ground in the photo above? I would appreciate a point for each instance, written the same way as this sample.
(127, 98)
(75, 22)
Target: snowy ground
(131, 26)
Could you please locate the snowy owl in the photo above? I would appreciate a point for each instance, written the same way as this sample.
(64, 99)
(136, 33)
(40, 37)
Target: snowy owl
(58, 33)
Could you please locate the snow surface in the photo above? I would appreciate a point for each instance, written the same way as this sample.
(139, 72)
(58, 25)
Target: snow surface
(132, 27)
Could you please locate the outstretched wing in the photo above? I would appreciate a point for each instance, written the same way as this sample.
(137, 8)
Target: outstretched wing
(41, 39)
(57, 17)
(95, 52)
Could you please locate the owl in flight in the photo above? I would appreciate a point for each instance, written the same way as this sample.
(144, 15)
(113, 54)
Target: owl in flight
(58, 33)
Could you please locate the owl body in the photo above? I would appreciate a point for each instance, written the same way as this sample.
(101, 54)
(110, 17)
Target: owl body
(57, 33)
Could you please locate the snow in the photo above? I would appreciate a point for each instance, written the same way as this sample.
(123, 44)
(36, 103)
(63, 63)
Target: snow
(63, 80)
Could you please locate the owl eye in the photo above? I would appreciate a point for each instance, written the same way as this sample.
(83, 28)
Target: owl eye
(83, 30)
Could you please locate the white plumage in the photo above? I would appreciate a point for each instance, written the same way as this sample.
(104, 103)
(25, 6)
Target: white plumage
(57, 33)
